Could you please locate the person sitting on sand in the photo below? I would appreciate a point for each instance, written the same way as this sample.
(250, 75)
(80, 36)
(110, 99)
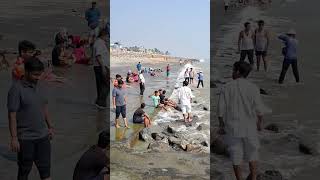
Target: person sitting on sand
(26, 50)
(79, 54)
(140, 116)
(156, 100)
(61, 36)
(60, 57)
(94, 164)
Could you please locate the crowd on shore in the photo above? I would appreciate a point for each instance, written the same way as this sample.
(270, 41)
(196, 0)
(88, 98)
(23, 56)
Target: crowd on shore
(240, 106)
(31, 127)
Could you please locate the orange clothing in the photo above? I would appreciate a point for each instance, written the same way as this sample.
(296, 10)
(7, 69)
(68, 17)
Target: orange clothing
(18, 69)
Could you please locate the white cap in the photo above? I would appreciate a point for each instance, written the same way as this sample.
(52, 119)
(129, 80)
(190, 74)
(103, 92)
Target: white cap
(292, 31)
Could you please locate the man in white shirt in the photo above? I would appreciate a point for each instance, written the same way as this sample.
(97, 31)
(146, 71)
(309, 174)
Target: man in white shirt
(240, 111)
(101, 69)
(142, 83)
(185, 98)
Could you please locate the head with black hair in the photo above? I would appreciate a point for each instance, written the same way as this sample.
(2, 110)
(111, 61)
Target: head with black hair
(120, 83)
(118, 76)
(247, 26)
(26, 49)
(143, 105)
(185, 83)
(33, 69)
(241, 69)
(164, 92)
(103, 141)
(156, 93)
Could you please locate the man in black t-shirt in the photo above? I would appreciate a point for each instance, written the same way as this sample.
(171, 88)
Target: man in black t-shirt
(93, 164)
(140, 116)
(162, 97)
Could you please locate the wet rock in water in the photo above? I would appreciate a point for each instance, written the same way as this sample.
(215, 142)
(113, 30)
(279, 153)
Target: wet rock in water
(205, 108)
(219, 147)
(268, 175)
(305, 149)
(309, 145)
(173, 141)
(262, 91)
(157, 136)
(203, 127)
(205, 143)
(193, 148)
(159, 147)
(195, 102)
(272, 127)
(178, 108)
(195, 118)
(174, 128)
(145, 135)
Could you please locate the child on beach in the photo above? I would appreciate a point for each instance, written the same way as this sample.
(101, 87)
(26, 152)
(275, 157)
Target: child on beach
(156, 100)
(140, 116)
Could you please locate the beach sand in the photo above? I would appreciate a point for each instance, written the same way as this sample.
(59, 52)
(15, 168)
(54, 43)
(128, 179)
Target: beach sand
(294, 106)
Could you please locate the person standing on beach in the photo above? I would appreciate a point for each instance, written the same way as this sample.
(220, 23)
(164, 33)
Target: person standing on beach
(101, 70)
(200, 79)
(140, 116)
(142, 83)
(168, 70)
(246, 43)
(185, 98)
(119, 101)
(139, 67)
(290, 55)
(187, 75)
(261, 44)
(240, 111)
(191, 75)
(180, 62)
(94, 163)
(29, 123)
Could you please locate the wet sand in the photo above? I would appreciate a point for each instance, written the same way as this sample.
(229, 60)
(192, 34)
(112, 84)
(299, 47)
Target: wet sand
(294, 106)
(75, 118)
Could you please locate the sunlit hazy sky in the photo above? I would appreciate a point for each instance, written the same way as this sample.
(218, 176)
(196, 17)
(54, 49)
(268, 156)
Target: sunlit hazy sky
(180, 26)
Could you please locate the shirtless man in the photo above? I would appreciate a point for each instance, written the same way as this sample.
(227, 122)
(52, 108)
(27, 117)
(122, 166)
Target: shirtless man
(261, 44)
(245, 43)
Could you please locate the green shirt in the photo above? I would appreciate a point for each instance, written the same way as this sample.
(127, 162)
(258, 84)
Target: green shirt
(155, 100)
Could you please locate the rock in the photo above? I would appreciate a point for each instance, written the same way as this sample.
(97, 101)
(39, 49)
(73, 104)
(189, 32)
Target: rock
(205, 143)
(174, 128)
(159, 147)
(157, 136)
(205, 108)
(203, 127)
(193, 148)
(182, 144)
(305, 149)
(178, 108)
(146, 133)
(219, 147)
(195, 118)
(272, 127)
(268, 175)
(309, 145)
(262, 91)
(195, 102)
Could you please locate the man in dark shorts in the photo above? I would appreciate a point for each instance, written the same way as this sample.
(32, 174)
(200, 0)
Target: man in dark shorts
(119, 100)
(261, 43)
(140, 116)
(94, 164)
(246, 43)
(162, 96)
(29, 123)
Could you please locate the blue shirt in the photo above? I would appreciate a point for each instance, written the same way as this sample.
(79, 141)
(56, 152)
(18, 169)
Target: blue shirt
(290, 47)
(200, 76)
(93, 16)
(139, 67)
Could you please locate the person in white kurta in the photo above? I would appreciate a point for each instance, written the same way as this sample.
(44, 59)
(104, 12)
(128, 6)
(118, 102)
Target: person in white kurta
(240, 110)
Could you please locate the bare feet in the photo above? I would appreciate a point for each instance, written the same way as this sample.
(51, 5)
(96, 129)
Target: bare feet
(117, 126)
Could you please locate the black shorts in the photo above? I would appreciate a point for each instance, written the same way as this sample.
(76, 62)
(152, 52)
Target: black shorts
(121, 110)
(245, 53)
(138, 119)
(261, 53)
(37, 151)
(191, 78)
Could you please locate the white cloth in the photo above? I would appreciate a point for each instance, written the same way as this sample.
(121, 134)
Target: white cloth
(186, 74)
(186, 109)
(185, 95)
(247, 41)
(100, 49)
(243, 149)
(142, 79)
(239, 104)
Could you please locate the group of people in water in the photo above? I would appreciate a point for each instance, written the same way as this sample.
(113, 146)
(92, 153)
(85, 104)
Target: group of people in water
(31, 128)
(240, 106)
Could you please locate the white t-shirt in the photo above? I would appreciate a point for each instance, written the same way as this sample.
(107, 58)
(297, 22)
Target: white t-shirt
(239, 104)
(100, 49)
(186, 74)
(185, 95)
(141, 77)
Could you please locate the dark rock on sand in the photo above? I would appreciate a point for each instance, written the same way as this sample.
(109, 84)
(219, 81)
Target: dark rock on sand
(268, 175)
(203, 127)
(145, 135)
(195, 118)
(205, 108)
(262, 91)
(205, 143)
(178, 108)
(173, 141)
(219, 147)
(195, 102)
(305, 149)
(309, 145)
(159, 147)
(272, 127)
(157, 136)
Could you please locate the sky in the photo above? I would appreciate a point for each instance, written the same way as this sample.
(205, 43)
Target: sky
(180, 26)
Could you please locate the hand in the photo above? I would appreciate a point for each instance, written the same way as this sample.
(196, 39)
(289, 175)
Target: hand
(51, 133)
(15, 145)
(114, 106)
